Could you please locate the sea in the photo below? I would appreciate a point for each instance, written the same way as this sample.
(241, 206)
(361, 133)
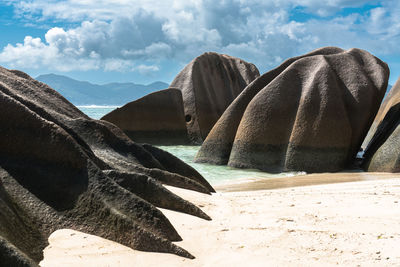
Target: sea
(96, 112)
(213, 173)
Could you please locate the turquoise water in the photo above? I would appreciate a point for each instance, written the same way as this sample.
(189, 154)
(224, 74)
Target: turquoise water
(220, 174)
(213, 173)
(96, 112)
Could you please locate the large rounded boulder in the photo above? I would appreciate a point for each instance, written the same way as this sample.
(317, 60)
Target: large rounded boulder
(383, 151)
(156, 118)
(61, 169)
(209, 83)
(309, 114)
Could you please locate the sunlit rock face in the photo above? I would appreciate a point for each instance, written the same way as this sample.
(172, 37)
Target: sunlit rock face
(309, 114)
(61, 169)
(209, 83)
(391, 98)
(383, 151)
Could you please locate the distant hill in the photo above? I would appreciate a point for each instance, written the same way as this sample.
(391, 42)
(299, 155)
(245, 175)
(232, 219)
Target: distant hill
(85, 93)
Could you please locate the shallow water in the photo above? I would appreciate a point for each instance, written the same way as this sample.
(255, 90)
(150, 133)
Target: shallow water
(220, 174)
(213, 173)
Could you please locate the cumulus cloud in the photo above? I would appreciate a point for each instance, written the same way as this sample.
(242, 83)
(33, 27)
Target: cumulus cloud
(146, 70)
(31, 52)
(155, 50)
(123, 35)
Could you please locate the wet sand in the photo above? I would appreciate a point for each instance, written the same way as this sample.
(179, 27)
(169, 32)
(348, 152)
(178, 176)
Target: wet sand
(352, 221)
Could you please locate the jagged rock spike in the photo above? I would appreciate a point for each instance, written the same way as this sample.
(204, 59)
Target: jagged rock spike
(171, 179)
(153, 192)
(52, 158)
(175, 165)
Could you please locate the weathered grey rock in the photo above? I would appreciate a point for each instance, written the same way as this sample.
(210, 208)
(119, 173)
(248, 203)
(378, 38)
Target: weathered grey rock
(175, 165)
(209, 83)
(383, 151)
(156, 118)
(390, 100)
(309, 114)
(61, 169)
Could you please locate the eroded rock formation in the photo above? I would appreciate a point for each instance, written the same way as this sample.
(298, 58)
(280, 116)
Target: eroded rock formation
(383, 151)
(209, 83)
(156, 118)
(309, 114)
(390, 100)
(61, 169)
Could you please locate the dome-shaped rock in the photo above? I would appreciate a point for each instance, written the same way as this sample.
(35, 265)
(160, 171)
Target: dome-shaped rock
(156, 118)
(383, 151)
(309, 114)
(209, 83)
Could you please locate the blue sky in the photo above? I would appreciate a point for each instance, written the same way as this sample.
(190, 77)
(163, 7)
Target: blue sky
(146, 40)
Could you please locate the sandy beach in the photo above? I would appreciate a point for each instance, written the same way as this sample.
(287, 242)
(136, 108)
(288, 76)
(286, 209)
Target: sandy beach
(313, 220)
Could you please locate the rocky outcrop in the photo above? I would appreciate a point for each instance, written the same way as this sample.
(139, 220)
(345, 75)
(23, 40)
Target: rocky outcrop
(383, 151)
(390, 100)
(309, 114)
(157, 118)
(209, 83)
(61, 169)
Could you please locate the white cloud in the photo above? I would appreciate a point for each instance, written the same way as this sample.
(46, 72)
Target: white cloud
(124, 35)
(154, 51)
(385, 21)
(77, 10)
(115, 64)
(146, 69)
(31, 52)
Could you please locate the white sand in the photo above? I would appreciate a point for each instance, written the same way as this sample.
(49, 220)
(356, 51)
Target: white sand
(354, 223)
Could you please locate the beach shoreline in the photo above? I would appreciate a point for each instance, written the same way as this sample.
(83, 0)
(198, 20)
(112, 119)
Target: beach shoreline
(255, 184)
(351, 221)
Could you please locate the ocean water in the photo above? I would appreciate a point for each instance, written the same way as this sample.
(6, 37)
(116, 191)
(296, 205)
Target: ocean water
(213, 173)
(221, 174)
(96, 112)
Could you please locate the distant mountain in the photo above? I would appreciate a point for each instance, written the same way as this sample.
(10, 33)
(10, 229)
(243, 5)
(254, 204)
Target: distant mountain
(85, 93)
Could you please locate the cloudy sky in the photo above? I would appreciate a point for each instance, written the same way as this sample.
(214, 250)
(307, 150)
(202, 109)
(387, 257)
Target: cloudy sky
(146, 40)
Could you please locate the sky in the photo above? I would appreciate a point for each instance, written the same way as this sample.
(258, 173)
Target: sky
(146, 40)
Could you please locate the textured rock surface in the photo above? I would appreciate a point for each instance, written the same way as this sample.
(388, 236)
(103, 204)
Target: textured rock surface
(61, 169)
(309, 114)
(209, 84)
(392, 98)
(383, 151)
(157, 118)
